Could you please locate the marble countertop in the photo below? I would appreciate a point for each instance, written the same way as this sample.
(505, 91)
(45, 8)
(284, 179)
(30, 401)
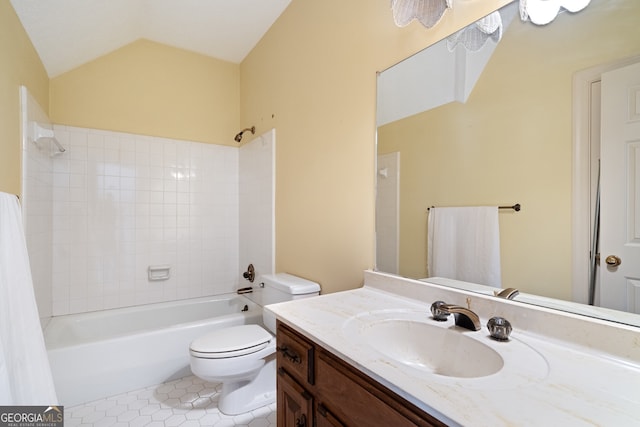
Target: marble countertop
(578, 383)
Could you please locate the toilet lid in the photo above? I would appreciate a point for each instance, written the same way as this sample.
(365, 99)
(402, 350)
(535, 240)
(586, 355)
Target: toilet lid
(231, 342)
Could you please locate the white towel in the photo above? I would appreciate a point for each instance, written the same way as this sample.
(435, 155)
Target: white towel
(464, 244)
(25, 374)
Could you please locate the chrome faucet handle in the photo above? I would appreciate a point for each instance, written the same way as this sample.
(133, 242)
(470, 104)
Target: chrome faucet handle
(499, 328)
(438, 312)
(250, 274)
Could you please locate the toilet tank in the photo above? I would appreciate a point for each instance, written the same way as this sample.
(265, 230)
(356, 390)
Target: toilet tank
(282, 287)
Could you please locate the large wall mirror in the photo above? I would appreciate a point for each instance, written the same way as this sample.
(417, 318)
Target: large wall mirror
(495, 128)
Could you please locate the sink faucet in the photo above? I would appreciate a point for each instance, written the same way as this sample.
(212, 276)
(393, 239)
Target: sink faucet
(464, 317)
(508, 293)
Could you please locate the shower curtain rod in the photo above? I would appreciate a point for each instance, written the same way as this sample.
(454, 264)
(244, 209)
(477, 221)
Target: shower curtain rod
(515, 207)
(58, 145)
(41, 132)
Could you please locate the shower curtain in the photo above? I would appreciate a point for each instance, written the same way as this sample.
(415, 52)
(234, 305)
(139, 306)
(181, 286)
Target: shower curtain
(25, 375)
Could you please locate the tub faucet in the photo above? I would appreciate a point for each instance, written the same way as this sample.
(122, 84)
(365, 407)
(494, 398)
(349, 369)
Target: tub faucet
(508, 293)
(464, 317)
(250, 274)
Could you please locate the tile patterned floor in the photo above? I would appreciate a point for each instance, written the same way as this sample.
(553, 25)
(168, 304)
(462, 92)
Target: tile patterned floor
(187, 402)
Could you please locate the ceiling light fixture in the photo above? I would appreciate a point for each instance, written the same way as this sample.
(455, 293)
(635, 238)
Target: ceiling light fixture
(474, 36)
(541, 12)
(428, 12)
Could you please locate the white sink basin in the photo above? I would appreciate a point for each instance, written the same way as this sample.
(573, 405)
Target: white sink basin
(412, 342)
(433, 349)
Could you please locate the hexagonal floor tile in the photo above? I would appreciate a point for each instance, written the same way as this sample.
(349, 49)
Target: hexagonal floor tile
(186, 402)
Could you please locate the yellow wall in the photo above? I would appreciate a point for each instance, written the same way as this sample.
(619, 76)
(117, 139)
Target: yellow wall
(511, 142)
(152, 89)
(313, 78)
(19, 65)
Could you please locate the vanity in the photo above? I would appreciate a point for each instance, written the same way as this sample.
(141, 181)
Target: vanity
(317, 388)
(374, 356)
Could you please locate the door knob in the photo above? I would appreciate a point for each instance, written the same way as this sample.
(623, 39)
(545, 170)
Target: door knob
(613, 261)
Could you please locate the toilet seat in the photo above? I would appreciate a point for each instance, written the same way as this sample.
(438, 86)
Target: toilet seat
(231, 342)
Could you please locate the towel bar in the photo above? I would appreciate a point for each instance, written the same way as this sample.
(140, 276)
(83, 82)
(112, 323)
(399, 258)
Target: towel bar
(515, 207)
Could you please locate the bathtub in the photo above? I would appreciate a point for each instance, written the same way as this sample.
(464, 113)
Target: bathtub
(99, 354)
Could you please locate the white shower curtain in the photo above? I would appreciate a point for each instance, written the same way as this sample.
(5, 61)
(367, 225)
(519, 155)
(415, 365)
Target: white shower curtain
(25, 375)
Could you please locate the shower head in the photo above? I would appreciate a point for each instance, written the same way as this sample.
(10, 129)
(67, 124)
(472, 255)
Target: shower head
(238, 137)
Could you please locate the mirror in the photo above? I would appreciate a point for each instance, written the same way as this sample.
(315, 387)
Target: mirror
(503, 136)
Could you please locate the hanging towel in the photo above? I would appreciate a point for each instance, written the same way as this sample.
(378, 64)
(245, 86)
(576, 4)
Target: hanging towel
(25, 374)
(464, 244)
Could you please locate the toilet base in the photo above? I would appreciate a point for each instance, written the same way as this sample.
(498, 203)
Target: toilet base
(238, 397)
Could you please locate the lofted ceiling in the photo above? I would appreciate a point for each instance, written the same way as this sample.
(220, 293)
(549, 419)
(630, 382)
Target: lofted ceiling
(69, 33)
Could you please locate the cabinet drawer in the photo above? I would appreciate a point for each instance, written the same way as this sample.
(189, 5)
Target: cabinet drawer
(359, 401)
(295, 355)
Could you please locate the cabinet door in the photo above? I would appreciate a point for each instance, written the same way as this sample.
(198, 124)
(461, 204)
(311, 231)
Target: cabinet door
(295, 404)
(360, 401)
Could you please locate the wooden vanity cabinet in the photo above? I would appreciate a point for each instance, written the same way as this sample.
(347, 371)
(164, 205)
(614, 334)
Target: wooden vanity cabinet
(295, 361)
(318, 389)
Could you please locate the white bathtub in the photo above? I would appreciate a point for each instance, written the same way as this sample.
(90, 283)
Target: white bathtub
(100, 354)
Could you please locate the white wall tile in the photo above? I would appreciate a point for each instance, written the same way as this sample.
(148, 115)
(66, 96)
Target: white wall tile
(38, 180)
(116, 203)
(123, 202)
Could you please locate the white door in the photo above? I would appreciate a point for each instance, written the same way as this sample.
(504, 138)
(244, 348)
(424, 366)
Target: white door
(388, 213)
(620, 195)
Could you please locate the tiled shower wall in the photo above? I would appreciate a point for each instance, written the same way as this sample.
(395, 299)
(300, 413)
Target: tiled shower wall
(37, 200)
(123, 202)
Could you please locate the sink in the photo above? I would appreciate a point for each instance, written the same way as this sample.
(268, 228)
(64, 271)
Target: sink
(409, 341)
(430, 348)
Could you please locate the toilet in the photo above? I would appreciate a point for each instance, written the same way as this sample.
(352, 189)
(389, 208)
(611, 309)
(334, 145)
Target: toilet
(243, 357)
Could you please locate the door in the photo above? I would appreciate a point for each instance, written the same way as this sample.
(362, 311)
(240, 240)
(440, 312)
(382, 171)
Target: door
(388, 213)
(620, 194)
